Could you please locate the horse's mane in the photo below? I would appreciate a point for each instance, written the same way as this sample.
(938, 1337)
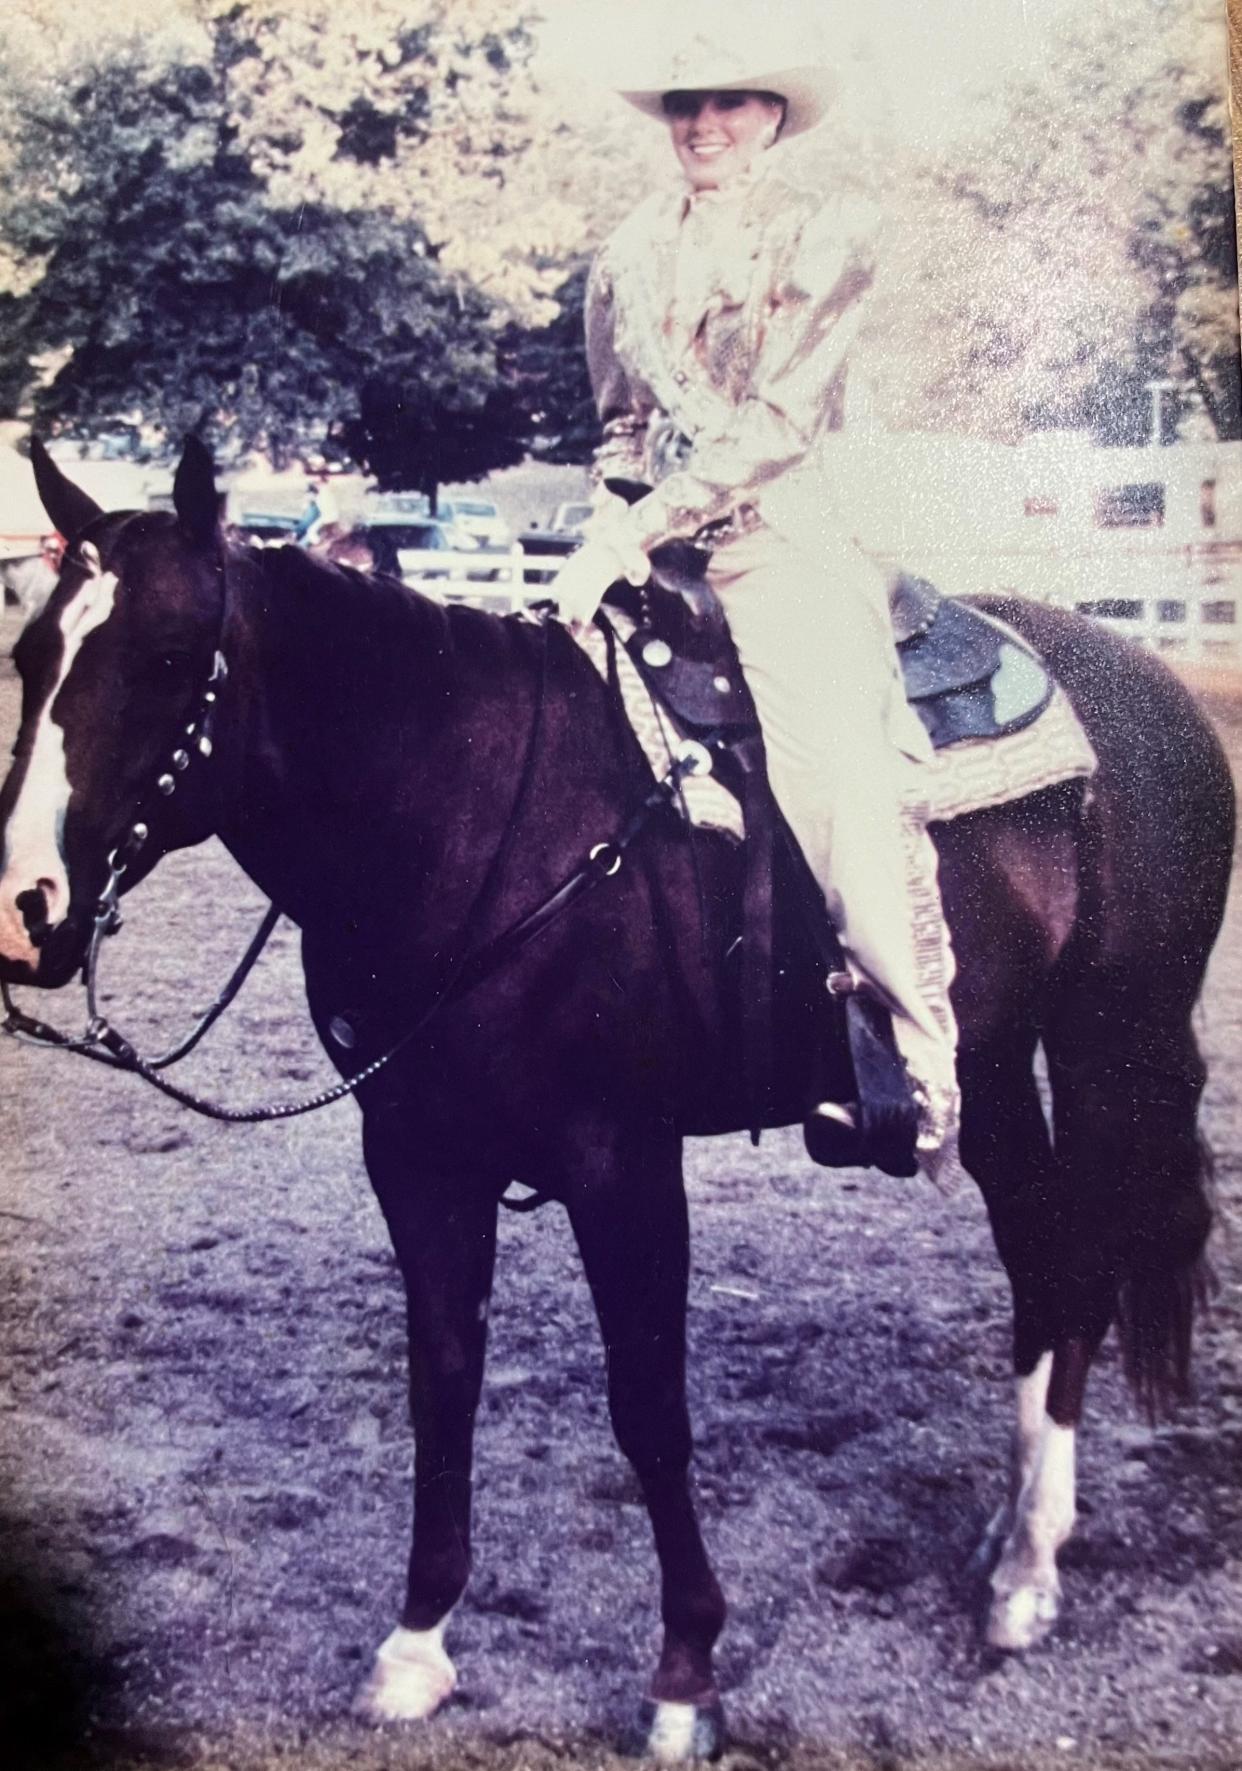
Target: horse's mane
(377, 603)
(380, 623)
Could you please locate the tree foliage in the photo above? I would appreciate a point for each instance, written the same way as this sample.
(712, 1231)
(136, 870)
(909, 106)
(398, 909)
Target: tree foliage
(366, 225)
(224, 238)
(1078, 243)
(550, 366)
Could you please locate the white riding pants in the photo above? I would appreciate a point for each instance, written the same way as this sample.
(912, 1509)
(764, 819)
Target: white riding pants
(816, 647)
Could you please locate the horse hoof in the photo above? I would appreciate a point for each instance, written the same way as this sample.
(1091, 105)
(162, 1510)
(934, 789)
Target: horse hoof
(1020, 1619)
(411, 1678)
(681, 1733)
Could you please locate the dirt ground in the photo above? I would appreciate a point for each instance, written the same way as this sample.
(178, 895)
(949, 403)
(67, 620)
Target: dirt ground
(205, 1461)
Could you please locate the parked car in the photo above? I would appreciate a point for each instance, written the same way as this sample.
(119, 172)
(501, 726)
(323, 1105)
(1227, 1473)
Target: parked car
(395, 505)
(570, 519)
(123, 443)
(267, 528)
(478, 517)
(418, 551)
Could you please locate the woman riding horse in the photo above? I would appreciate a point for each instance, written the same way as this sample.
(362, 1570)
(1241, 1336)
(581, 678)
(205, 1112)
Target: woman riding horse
(719, 319)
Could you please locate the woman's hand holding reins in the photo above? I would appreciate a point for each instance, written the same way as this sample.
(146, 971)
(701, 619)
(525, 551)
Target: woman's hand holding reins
(608, 553)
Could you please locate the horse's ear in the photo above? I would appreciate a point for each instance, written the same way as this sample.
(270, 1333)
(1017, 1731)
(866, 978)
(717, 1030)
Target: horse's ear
(194, 493)
(67, 505)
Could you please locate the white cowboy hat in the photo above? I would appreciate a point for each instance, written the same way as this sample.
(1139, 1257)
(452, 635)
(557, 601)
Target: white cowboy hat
(699, 66)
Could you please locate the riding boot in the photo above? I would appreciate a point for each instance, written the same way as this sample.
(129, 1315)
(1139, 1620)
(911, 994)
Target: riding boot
(843, 748)
(912, 978)
(916, 977)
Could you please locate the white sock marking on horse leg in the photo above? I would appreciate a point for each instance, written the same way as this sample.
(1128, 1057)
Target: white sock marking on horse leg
(671, 1740)
(1026, 1587)
(683, 1733)
(1030, 1399)
(412, 1676)
(32, 840)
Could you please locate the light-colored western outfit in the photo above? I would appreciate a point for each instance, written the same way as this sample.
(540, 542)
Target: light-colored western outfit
(718, 329)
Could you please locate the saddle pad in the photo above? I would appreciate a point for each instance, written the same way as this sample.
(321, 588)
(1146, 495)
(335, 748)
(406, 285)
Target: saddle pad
(964, 777)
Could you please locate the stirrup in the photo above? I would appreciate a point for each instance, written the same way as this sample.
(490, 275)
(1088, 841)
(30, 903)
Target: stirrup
(832, 1137)
(837, 1135)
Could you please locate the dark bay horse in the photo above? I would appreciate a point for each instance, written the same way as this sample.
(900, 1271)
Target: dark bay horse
(405, 781)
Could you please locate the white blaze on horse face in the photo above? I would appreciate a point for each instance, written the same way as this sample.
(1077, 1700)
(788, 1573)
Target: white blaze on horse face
(33, 851)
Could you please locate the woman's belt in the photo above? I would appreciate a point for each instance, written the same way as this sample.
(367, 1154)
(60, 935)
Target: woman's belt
(742, 521)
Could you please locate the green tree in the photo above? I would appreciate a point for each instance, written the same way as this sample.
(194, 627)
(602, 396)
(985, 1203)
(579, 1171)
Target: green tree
(191, 271)
(1072, 242)
(549, 365)
(375, 213)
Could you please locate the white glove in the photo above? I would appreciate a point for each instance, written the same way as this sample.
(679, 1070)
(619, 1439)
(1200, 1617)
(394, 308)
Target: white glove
(608, 552)
(580, 584)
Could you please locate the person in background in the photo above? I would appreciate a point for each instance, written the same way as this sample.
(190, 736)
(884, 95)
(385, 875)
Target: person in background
(322, 517)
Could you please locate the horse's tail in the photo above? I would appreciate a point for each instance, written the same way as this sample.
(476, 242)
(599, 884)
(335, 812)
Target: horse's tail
(1139, 1194)
(1166, 1276)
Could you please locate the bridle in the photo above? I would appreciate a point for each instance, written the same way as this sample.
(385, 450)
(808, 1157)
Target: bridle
(475, 961)
(99, 1039)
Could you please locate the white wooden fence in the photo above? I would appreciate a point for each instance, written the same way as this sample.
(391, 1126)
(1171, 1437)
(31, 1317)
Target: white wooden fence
(526, 579)
(1188, 607)
(1183, 601)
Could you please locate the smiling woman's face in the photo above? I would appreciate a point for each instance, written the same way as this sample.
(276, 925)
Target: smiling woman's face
(717, 135)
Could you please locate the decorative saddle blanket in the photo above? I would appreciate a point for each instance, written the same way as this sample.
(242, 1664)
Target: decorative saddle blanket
(999, 725)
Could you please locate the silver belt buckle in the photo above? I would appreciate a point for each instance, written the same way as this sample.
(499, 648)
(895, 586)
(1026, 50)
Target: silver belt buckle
(739, 522)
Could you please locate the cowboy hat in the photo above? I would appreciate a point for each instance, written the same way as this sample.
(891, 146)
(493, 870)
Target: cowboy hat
(700, 66)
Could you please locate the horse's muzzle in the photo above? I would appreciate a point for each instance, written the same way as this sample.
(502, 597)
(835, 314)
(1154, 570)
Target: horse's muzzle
(33, 907)
(39, 954)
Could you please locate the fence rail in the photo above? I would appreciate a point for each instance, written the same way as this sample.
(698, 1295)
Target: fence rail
(1181, 599)
(529, 575)
(21, 545)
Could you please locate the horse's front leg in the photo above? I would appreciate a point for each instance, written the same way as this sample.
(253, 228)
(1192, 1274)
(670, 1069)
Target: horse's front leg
(628, 1209)
(443, 1229)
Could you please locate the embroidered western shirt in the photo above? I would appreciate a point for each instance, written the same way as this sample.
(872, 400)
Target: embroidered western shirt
(718, 328)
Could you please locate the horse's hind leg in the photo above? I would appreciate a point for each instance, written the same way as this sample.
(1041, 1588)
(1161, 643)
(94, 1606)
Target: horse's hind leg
(1007, 1148)
(443, 1229)
(1039, 1515)
(1132, 1214)
(629, 1216)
